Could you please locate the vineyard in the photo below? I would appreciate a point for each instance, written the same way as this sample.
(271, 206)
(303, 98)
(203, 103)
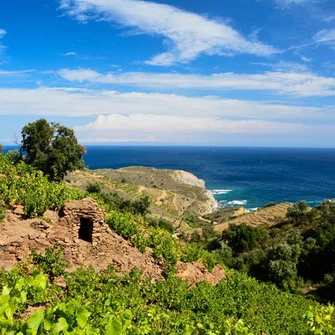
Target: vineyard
(41, 296)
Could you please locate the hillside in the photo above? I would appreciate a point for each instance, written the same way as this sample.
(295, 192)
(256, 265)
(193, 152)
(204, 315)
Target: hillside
(173, 193)
(121, 273)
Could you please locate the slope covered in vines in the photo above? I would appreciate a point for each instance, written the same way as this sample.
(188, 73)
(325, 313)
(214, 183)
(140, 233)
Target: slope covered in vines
(42, 297)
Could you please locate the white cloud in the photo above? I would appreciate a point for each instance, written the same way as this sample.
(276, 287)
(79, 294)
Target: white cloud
(82, 102)
(301, 84)
(329, 17)
(285, 66)
(190, 35)
(3, 32)
(150, 117)
(158, 128)
(326, 36)
(4, 73)
(290, 3)
(71, 53)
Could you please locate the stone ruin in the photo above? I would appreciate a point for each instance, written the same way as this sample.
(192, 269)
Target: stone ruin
(85, 218)
(87, 241)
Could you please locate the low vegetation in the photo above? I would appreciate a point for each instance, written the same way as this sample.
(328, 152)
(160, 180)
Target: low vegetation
(103, 303)
(297, 254)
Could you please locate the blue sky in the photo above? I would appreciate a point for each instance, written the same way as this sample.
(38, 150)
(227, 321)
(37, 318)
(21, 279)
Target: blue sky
(191, 72)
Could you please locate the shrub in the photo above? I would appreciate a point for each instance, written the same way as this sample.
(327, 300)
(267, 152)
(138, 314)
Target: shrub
(52, 263)
(243, 238)
(94, 188)
(122, 223)
(161, 223)
(270, 204)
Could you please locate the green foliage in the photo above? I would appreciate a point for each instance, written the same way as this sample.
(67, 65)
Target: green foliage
(2, 213)
(21, 184)
(300, 213)
(51, 148)
(270, 204)
(52, 263)
(192, 220)
(106, 303)
(242, 238)
(2, 149)
(295, 254)
(14, 156)
(319, 320)
(122, 223)
(95, 187)
(161, 223)
(115, 202)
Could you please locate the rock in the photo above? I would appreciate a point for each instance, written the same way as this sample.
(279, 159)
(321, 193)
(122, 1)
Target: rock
(51, 215)
(196, 272)
(18, 210)
(40, 225)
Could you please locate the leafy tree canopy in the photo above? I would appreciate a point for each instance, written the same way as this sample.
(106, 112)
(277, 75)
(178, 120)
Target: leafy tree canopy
(51, 148)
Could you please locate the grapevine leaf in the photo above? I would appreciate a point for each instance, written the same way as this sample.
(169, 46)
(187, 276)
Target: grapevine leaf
(82, 316)
(60, 325)
(34, 321)
(19, 284)
(114, 328)
(41, 281)
(4, 299)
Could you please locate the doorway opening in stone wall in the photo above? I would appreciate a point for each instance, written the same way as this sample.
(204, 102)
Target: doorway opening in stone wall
(86, 230)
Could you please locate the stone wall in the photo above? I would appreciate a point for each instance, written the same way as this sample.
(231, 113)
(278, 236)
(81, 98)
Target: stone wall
(85, 218)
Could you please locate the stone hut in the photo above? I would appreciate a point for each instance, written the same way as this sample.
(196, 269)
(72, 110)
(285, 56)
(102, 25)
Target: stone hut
(85, 218)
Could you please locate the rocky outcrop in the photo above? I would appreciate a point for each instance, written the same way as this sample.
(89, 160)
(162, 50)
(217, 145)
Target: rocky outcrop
(187, 178)
(196, 272)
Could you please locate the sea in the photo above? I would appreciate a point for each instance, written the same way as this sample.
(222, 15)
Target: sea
(236, 176)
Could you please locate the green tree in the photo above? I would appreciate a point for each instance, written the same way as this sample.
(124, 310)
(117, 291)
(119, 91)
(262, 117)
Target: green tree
(243, 238)
(300, 213)
(51, 148)
(2, 149)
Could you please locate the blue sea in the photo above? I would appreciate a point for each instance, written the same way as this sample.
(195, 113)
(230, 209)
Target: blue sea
(251, 177)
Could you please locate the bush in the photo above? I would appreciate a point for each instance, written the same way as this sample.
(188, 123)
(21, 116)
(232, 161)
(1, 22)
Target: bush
(94, 188)
(122, 223)
(116, 202)
(161, 223)
(243, 238)
(270, 204)
(300, 213)
(20, 184)
(52, 263)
